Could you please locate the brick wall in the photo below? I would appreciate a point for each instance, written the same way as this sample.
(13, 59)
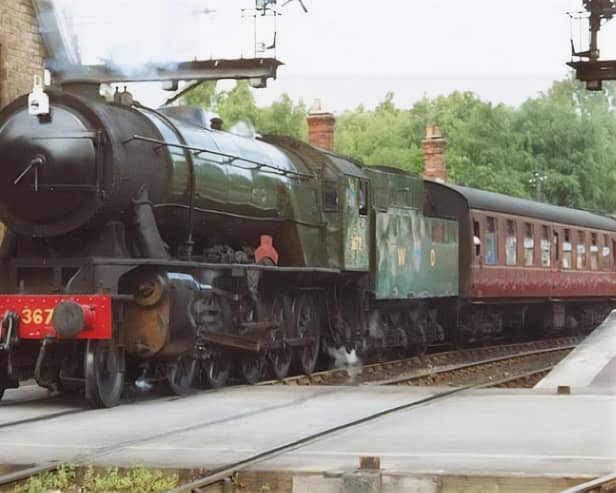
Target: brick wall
(21, 49)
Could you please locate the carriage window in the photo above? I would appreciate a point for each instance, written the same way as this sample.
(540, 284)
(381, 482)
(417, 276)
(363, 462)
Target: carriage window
(545, 246)
(594, 252)
(476, 238)
(605, 253)
(529, 244)
(567, 250)
(511, 244)
(491, 242)
(581, 250)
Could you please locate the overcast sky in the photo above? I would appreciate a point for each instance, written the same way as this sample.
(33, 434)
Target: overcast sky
(351, 52)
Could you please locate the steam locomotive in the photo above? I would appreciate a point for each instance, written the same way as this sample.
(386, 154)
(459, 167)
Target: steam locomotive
(145, 244)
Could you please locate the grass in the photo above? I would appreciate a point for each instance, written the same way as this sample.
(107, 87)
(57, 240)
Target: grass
(70, 479)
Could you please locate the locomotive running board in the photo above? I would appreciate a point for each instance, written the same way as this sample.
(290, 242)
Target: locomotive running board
(238, 342)
(136, 262)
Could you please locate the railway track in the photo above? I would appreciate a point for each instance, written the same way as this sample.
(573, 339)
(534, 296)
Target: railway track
(412, 370)
(507, 368)
(442, 364)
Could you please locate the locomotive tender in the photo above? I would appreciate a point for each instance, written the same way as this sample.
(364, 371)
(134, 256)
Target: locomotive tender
(145, 244)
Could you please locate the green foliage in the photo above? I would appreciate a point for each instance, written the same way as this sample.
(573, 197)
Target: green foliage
(237, 104)
(282, 117)
(559, 147)
(68, 479)
(203, 95)
(61, 479)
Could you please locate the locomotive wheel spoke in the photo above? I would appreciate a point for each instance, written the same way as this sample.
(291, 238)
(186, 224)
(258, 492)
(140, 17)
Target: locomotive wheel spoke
(252, 367)
(306, 326)
(104, 373)
(215, 370)
(181, 374)
(280, 359)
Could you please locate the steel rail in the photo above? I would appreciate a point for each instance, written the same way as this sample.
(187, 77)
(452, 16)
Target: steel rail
(416, 363)
(474, 364)
(35, 419)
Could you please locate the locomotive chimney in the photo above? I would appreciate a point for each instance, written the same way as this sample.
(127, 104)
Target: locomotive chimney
(321, 125)
(434, 145)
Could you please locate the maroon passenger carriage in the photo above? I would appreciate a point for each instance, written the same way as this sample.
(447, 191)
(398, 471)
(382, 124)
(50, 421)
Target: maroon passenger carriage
(525, 266)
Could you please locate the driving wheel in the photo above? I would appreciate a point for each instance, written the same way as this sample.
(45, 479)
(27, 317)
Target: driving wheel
(280, 358)
(251, 365)
(180, 374)
(306, 316)
(215, 369)
(104, 373)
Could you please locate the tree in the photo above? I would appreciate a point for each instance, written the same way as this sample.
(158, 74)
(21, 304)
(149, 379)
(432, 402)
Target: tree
(204, 95)
(236, 105)
(282, 117)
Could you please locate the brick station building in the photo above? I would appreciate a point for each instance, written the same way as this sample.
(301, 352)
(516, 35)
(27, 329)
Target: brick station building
(21, 49)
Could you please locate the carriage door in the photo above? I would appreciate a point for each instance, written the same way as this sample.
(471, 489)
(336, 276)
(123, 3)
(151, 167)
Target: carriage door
(355, 223)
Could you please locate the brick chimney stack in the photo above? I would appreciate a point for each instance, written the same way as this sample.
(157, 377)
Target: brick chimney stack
(434, 145)
(321, 125)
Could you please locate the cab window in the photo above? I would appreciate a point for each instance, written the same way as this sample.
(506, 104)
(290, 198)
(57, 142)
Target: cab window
(330, 195)
(363, 198)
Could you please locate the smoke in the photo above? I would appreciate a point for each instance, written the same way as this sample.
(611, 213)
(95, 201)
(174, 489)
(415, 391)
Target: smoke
(130, 35)
(342, 358)
(244, 128)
